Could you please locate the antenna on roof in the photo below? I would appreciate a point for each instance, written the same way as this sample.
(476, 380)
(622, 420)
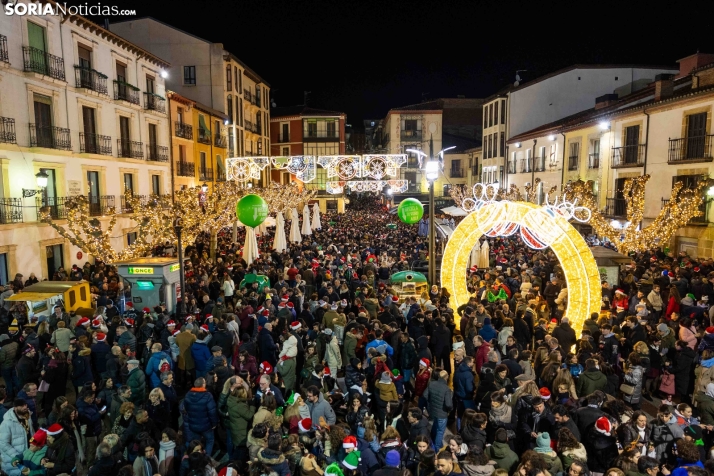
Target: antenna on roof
(518, 77)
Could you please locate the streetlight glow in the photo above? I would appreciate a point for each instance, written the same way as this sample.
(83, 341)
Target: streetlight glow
(432, 170)
(41, 178)
(604, 125)
(164, 74)
(204, 187)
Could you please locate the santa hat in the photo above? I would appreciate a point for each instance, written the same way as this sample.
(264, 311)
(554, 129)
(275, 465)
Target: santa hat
(146, 310)
(290, 305)
(101, 336)
(176, 332)
(544, 393)
(39, 439)
(205, 328)
(281, 305)
(327, 370)
(129, 322)
(395, 298)
(343, 303)
(209, 316)
(352, 460)
(620, 291)
(349, 442)
(305, 424)
(285, 298)
(96, 323)
(696, 269)
(474, 269)
(265, 313)
(260, 309)
(55, 429)
(82, 322)
(603, 425)
(265, 367)
(170, 323)
(334, 307)
(295, 325)
(710, 330)
(424, 363)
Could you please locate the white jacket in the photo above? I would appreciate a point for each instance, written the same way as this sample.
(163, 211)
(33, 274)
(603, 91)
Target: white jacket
(290, 347)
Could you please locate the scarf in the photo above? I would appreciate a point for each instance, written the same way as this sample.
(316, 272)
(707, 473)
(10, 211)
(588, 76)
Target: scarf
(166, 449)
(501, 414)
(150, 466)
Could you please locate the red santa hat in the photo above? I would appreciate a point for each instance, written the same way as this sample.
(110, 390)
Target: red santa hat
(266, 368)
(146, 310)
(55, 429)
(305, 424)
(424, 363)
(709, 330)
(176, 332)
(327, 370)
(205, 328)
(603, 425)
(82, 322)
(170, 323)
(544, 393)
(101, 336)
(395, 298)
(696, 269)
(260, 309)
(285, 298)
(619, 291)
(128, 322)
(474, 269)
(96, 323)
(290, 305)
(265, 313)
(281, 305)
(349, 442)
(209, 316)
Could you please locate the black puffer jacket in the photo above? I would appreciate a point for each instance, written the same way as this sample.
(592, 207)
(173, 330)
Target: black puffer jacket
(353, 376)
(275, 461)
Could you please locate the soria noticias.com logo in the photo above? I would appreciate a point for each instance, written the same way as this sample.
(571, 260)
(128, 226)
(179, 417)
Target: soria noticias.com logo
(24, 9)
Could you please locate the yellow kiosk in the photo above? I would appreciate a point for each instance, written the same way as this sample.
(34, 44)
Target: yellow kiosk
(41, 298)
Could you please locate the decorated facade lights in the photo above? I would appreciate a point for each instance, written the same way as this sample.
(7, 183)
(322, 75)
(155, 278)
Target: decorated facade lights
(245, 169)
(303, 167)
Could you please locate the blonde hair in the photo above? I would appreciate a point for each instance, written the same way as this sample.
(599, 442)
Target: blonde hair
(390, 433)
(641, 348)
(157, 392)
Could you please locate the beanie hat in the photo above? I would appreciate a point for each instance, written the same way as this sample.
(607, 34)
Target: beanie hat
(543, 442)
(663, 328)
(352, 460)
(501, 435)
(393, 458)
(544, 393)
(55, 429)
(603, 426)
(39, 438)
(305, 424)
(349, 442)
(424, 363)
(386, 377)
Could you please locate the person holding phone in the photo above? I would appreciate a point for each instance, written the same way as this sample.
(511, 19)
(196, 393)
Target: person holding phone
(30, 462)
(90, 418)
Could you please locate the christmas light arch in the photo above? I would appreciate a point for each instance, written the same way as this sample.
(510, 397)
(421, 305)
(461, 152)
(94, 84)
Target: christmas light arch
(542, 226)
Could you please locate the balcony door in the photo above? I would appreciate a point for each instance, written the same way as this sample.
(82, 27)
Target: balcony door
(285, 137)
(632, 143)
(85, 63)
(55, 260)
(37, 40)
(150, 84)
(93, 188)
(124, 136)
(43, 120)
(153, 144)
(90, 138)
(620, 202)
(696, 135)
(331, 129)
(121, 80)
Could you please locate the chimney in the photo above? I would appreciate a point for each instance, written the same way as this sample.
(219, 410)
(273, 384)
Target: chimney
(697, 60)
(605, 100)
(664, 86)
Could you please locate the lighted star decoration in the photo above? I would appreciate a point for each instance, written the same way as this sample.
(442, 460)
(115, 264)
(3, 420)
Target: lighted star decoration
(397, 186)
(380, 166)
(245, 169)
(303, 167)
(343, 167)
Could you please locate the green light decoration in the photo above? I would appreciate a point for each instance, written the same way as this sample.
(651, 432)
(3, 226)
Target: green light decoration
(252, 210)
(410, 211)
(494, 297)
(392, 226)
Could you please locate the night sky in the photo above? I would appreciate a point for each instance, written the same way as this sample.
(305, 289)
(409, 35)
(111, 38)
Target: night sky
(365, 57)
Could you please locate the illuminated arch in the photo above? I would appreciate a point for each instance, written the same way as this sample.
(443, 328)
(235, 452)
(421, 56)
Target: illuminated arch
(581, 273)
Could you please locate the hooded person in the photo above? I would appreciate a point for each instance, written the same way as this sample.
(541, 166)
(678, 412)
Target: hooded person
(544, 449)
(705, 405)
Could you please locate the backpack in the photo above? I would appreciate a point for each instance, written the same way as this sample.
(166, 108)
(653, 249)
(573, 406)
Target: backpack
(164, 365)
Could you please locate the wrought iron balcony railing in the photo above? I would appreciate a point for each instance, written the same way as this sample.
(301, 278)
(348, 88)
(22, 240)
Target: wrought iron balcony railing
(616, 207)
(220, 140)
(50, 137)
(4, 56)
(130, 149)
(185, 169)
(41, 62)
(204, 136)
(7, 130)
(95, 144)
(154, 102)
(126, 92)
(628, 156)
(690, 149)
(206, 173)
(91, 79)
(11, 211)
(183, 130)
(157, 153)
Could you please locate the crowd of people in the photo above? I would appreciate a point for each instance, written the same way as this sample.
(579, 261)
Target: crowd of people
(327, 369)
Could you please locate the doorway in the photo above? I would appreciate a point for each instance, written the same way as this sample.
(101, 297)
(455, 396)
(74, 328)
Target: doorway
(93, 184)
(55, 260)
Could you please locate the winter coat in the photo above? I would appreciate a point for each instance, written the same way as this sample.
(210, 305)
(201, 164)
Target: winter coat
(137, 383)
(503, 455)
(185, 340)
(565, 335)
(705, 405)
(82, 367)
(482, 356)
(683, 365)
(13, 441)
(274, 460)
(664, 434)
(387, 392)
(333, 356)
(153, 367)
(422, 380)
(240, 415)
(199, 410)
(441, 340)
(267, 347)
(407, 355)
(589, 381)
(322, 409)
(202, 356)
(100, 350)
(488, 333)
(350, 346)
(568, 456)
(61, 452)
(503, 336)
(602, 451)
(353, 376)
(439, 399)
(464, 382)
(89, 415)
(61, 338)
(635, 377)
(32, 460)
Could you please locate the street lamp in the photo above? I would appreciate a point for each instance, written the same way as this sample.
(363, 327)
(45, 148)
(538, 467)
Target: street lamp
(41, 179)
(178, 227)
(204, 187)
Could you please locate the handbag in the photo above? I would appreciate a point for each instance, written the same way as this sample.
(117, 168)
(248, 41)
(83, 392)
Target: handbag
(627, 389)
(44, 387)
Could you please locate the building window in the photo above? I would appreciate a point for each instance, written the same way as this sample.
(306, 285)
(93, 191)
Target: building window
(495, 114)
(490, 145)
(503, 112)
(490, 115)
(239, 74)
(230, 109)
(229, 80)
(485, 117)
(156, 184)
(130, 238)
(286, 151)
(502, 146)
(129, 183)
(189, 75)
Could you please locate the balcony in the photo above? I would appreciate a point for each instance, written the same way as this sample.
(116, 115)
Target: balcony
(689, 150)
(539, 164)
(628, 156)
(573, 162)
(50, 137)
(126, 205)
(327, 135)
(154, 102)
(249, 126)
(7, 130)
(511, 167)
(204, 136)
(457, 173)
(221, 175)
(410, 134)
(594, 161)
(88, 78)
(206, 174)
(126, 92)
(282, 139)
(11, 211)
(41, 62)
(55, 206)
(157, 153)
(526, 165)
(95, 144)
(616, 207)
(185, 131)
(130, 149)
(220, 140)
(704, 208)
(100, 204)
(185, 169)
(412, 163)
(4, 56)
(248, 96)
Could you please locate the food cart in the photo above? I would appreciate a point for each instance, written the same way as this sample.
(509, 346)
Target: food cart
(42, 297)
(409, 284)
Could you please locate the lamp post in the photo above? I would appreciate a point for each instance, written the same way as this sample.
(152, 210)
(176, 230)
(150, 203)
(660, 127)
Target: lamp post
(41, 179)
(178, 228)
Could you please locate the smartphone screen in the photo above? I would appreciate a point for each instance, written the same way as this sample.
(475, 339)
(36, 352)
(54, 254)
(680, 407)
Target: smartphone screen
(104, 408)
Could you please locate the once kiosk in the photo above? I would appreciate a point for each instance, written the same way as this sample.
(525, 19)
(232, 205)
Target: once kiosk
(153, 281)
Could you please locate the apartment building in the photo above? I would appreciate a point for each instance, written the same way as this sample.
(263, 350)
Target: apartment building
(86, 109)
(208, 74)
(663, 129)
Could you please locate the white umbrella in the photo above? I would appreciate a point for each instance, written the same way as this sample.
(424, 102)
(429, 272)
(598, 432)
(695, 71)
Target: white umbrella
(483, 259)
(250, 249)
(316, 225)
(279, 243)
(306, 220)
(295, 226)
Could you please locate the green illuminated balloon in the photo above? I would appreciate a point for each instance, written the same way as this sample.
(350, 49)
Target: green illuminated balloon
(410, 211)
(252, 210)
